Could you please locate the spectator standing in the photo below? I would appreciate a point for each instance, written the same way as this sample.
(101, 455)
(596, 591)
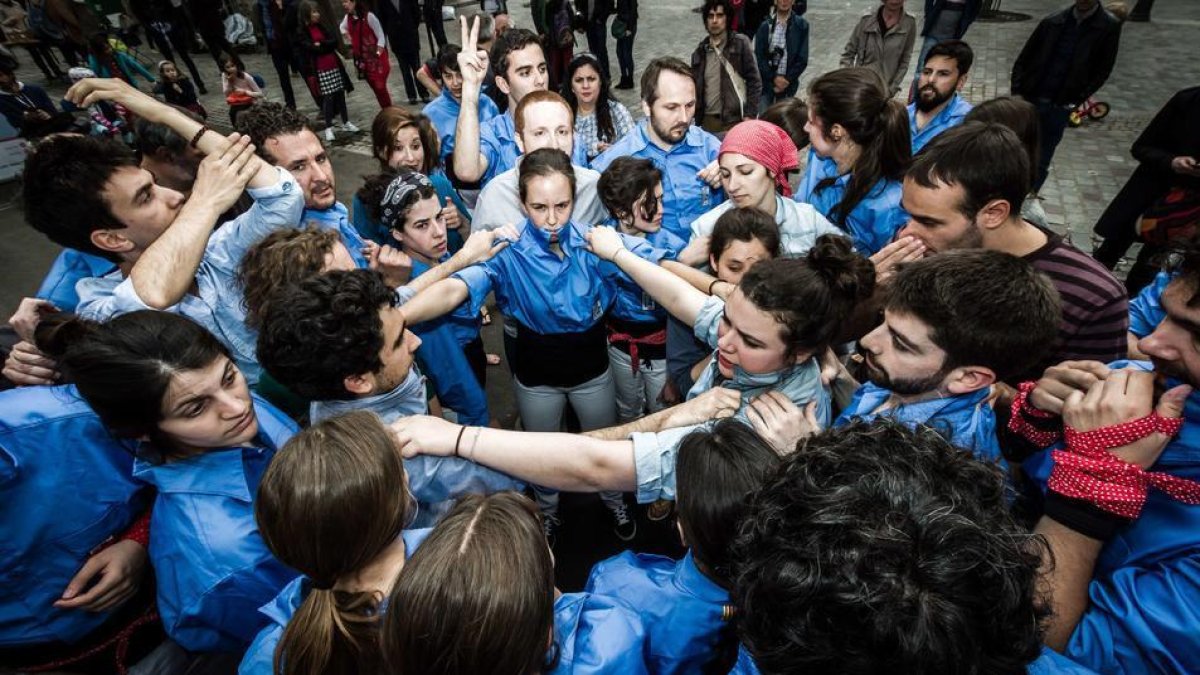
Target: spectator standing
(883, 41)
(781, 47)
(624, 29)
(105, 61)
(936, 105)
(28, 107)
(596, 13)
(433, 18)
(318, 40)
(400, 19)
(728, 84)
(600, 120)
(1067, 58)
(278, 20)
(239, 87)
(177, 89)
(1168, 155)
(944, 20)
(368, 45)
(13, 20)
(207, 20)
(165, 27)
(554, 21)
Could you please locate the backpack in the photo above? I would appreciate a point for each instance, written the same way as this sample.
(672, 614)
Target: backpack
(562, 25)
(41, 24)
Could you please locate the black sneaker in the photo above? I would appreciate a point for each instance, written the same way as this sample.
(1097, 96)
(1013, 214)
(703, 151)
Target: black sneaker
(624, 526)
(550, 523)
(625, 83)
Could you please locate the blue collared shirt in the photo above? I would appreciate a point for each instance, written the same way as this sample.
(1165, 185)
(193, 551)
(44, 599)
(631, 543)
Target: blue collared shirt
(66, 486)
(685, 196)
(498, 145)
(212, 566)
(435, 482)
(951, 116)
(1049, 663)
(1145, 310)
(1144, 598)
(546, 293)
(69, 268)
(259, 658)
(966, 420)
(876, 219)
(217, 304)
(443, 112)
(634, 304)
(654, 453)
(683, 610)
(596, 635)
(337, 218)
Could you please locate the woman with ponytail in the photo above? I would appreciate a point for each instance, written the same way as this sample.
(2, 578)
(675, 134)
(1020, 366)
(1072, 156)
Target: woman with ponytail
(860, 150)
(478, 597)
(202, 441)
(685, 604)
(766, 333)
(333, 505)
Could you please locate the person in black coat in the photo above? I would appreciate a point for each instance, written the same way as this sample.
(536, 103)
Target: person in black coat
(596, 13)
(167, 29)
(1168, 155)
(400, 19)
(627, 14)
(1069, 56)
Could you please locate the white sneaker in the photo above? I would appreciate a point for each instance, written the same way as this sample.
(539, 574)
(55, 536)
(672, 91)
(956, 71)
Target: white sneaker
(349, 127)
(329, 134)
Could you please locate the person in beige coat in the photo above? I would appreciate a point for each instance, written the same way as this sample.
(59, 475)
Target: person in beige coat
(883, 41)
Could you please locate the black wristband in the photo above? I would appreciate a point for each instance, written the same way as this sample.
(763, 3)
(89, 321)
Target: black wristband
(1084, 517)
(196, 139)
(458, 440)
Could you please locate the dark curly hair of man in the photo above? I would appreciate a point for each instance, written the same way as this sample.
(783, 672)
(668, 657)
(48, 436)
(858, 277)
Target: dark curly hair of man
(880, 549)
(269, 119)
(324, 329)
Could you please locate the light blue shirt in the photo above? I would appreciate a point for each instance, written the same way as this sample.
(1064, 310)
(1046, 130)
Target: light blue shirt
(634, 304)
(217, 304)
(376, 232)
(685, 196)
(876, 219)
(1145, 310)
(69, 268)
(212, 567)
(1049, 663)
(682, 609)
(337, 218)
(443, 112)
(435, 482)
(799, 225)
(966, 420)
(546, 293)
(597, 635)
(951, 116)
(67, 486)
(498, 145)
(654, 453)
(260, 657)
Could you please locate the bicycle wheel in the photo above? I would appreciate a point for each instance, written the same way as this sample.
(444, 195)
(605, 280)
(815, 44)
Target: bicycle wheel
(1099, 111)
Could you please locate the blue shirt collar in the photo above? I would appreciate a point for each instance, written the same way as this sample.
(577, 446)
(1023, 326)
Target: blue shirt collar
(691, 580)
(408, 398)
(217, 472)
(692, 138)
(872, 396)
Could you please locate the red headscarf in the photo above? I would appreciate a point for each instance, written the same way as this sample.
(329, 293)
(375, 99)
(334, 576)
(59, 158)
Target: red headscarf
(766, 144)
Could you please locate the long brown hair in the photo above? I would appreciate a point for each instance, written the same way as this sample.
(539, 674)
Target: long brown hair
(857, 99)
(332, 500)
(478, 596)
(389, 121)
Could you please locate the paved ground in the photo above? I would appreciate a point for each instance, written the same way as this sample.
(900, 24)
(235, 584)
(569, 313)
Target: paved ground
(1156, 59)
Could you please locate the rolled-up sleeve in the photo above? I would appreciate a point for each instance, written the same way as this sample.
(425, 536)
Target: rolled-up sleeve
(708, 320)
(654, 462)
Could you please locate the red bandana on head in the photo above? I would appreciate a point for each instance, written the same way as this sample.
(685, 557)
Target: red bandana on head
(766, 144)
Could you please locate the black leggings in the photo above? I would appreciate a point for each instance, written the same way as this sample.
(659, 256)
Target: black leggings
(334, 104)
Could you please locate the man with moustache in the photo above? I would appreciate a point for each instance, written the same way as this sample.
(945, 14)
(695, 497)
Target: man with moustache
(685, 154)
(952, 326)
(937, 105)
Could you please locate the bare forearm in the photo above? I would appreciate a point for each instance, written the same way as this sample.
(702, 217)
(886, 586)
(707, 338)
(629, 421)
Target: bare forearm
(469, 164)
(166, 270)
(209, 142)
(454, 263)
(673, 293)
(575, 463)
(649, 423)
(699, 280)
(438, 299)
(1066, 571)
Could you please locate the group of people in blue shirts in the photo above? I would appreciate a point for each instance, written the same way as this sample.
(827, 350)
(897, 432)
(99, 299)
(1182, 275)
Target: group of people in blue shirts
(283, 410)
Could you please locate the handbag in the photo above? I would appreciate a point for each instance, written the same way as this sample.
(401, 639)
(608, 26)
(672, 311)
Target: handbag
(1175, 216)
(619, 29)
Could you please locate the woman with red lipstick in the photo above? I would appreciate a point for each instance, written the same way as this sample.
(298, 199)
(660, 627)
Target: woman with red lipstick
(203, 441)
(600, 119)
(556, 296)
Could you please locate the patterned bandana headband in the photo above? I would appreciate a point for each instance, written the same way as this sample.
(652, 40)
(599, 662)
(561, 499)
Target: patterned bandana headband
(392, 207)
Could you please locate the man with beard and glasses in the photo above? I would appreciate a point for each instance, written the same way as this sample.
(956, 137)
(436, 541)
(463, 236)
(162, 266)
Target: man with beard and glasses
(952, 326)
(1122, 520)
(965, 190)
(937, 106)
(685, 154)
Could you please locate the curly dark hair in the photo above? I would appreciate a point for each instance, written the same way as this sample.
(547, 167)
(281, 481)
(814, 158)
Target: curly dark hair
(268, 119)
(64, 182)
(876, 548)
(624, 182)
(322, 330)
(811, 296)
